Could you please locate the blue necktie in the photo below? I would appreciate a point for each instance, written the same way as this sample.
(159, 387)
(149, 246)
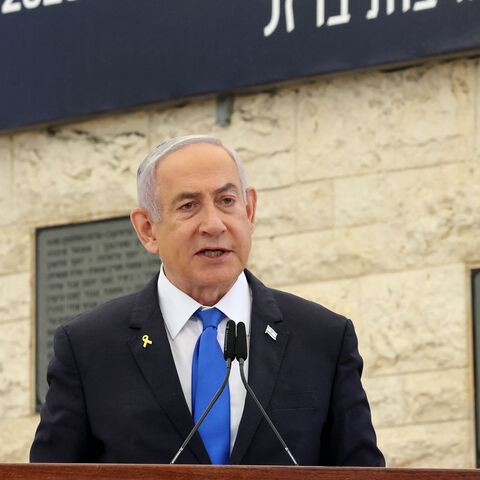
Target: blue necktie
(208, 370)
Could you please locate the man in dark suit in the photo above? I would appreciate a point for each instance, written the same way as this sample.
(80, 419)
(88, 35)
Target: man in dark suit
(120, 380)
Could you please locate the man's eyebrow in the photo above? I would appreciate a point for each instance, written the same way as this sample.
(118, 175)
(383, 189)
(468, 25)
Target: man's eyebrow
(227, 187)
(185, 196)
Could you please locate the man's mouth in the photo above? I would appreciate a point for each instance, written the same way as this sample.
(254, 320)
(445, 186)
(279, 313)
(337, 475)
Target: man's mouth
(212, 252)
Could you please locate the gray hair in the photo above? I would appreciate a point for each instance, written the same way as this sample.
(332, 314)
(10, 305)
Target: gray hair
(147, 188)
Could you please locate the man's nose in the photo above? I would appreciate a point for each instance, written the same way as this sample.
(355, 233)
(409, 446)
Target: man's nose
(211, 221)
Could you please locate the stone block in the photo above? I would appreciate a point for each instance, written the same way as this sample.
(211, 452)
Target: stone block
(439, 203)
(271, 171)
(79, 170)
(6, 180)
(340, 296)
(434, 211)
(15, 249)
(15, 351)
(376, 122)
(15, 297)
(417, 398)
(329, 254)
(291, 259)
(415, 320)
(361, 200)
(16, 437)
(303, 207)
(437, 445)
(262, 124)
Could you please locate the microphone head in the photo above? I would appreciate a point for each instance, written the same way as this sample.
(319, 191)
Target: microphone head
(229, 344)
(241, 345)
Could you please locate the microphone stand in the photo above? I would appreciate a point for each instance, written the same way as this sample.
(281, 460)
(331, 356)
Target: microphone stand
(205, 413)
(241, 361)
(229, 355)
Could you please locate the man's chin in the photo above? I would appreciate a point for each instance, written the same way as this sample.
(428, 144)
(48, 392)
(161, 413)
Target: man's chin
(211, 278)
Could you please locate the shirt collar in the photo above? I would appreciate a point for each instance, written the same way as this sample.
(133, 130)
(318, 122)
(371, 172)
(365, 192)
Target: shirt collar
(177, 307)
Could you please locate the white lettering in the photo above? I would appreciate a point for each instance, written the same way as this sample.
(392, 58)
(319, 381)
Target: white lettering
(31, 3)
(343, 17)
(320, 12)
(289, 15)
(272, 25)
(10, 6)
(424, 5)
(375, 7)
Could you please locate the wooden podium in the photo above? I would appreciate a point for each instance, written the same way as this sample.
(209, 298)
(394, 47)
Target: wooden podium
(38, 471)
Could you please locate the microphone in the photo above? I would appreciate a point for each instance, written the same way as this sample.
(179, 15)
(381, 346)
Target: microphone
(241, 355)
(229, 355)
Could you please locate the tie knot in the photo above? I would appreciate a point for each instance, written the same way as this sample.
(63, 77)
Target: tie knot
(210, 318)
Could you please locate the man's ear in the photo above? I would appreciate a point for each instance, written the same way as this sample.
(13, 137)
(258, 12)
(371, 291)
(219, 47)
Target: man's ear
(143, 225)
(251, 206)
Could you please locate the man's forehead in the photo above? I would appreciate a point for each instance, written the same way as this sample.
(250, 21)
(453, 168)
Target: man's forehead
(201, 155)
(195, 149)
(197, 169)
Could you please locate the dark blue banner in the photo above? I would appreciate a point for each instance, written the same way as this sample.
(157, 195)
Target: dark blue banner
(67, 58)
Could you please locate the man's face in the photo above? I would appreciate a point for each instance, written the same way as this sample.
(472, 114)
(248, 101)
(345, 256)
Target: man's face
(204, 236)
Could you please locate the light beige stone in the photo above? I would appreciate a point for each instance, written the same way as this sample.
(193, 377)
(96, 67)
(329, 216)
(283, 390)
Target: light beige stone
(416, 320)
(15, 297)
(6, 181)
(438, 396)
(438, 445)
(385, 121)
(427, 397)
(271, 171)
(340, 296)
(361, 200)
(294, 259)
(439, 203)
(15, 351)
(15, 249)
(304, 207)
(330, 254)
(262, 124)
(434, 211)
(16, 437)
(79, 170)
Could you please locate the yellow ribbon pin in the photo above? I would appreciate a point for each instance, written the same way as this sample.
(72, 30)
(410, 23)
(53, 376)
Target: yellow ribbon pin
(146, 341)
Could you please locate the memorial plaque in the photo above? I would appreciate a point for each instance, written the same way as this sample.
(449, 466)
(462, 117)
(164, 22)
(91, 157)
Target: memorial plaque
(80, 266)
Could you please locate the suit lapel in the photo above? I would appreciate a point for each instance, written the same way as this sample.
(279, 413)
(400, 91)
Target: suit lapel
(265, 359)
(156, 363)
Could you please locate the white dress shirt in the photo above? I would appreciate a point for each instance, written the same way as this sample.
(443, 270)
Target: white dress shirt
(183, 331)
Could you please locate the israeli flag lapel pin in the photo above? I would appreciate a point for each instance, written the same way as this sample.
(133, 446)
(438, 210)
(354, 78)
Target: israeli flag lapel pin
(271, 332)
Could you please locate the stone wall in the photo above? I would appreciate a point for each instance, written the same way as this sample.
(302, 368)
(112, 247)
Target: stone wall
(369, 202)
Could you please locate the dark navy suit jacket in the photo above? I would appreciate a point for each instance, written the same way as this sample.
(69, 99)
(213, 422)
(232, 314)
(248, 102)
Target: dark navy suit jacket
(112, 400)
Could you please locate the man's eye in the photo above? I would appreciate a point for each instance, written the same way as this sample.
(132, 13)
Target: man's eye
(227, 201)
(187, 206)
